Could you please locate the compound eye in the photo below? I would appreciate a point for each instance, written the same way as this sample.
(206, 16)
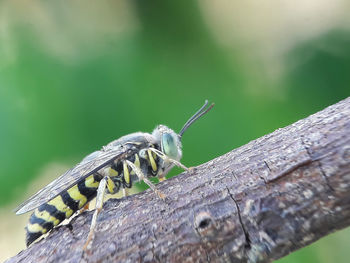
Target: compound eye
(169, 145)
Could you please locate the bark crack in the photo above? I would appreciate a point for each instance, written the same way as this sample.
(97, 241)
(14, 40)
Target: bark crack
(155, 257)
(267, 165)
(325, 176)
(207, 255)
(246, 234)
(323, 173)
(291, 169)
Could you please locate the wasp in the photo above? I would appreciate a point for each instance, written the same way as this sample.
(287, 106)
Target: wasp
(131, 158)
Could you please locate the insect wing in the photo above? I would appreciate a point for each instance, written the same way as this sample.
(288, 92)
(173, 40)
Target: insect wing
(90, 164)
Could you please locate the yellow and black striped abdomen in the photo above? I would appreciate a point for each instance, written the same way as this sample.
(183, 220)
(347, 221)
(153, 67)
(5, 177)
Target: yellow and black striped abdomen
(63, 206)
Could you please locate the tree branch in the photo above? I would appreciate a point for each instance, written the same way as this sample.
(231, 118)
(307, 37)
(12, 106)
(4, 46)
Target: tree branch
(257, 203)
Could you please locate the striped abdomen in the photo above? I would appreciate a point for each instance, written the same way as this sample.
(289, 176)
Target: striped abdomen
(63, 206)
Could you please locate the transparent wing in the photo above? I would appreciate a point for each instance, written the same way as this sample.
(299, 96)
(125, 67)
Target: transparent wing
(90, 164)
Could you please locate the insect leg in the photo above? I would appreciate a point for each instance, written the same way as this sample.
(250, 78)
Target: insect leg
(161, 178)
(168, 159)
(125, 192)
(99, 203)
(127, 178)
(111, 186)
(84, 208)
(142, 177)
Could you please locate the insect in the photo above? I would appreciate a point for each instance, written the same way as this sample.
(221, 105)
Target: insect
(134, 157)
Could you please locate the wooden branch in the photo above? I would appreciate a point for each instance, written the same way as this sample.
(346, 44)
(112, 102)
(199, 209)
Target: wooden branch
(257, 203)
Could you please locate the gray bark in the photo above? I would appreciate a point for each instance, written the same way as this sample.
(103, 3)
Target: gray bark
(256, 203)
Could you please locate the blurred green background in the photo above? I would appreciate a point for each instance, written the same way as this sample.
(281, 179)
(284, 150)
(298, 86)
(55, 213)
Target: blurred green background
(74, 76)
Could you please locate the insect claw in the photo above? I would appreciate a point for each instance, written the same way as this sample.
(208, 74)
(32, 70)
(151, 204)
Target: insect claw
(125, 192)
(161, 195)
(161, 179)
(191, 169)
(86, 247)
(85, 207)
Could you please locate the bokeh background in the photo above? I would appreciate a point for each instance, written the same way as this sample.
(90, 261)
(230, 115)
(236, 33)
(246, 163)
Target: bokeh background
(76, 75)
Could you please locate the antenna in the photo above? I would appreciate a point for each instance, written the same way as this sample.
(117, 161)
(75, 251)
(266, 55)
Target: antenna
(196, 116)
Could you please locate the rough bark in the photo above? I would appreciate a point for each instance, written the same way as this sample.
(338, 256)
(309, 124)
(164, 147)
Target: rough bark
(256, 203)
